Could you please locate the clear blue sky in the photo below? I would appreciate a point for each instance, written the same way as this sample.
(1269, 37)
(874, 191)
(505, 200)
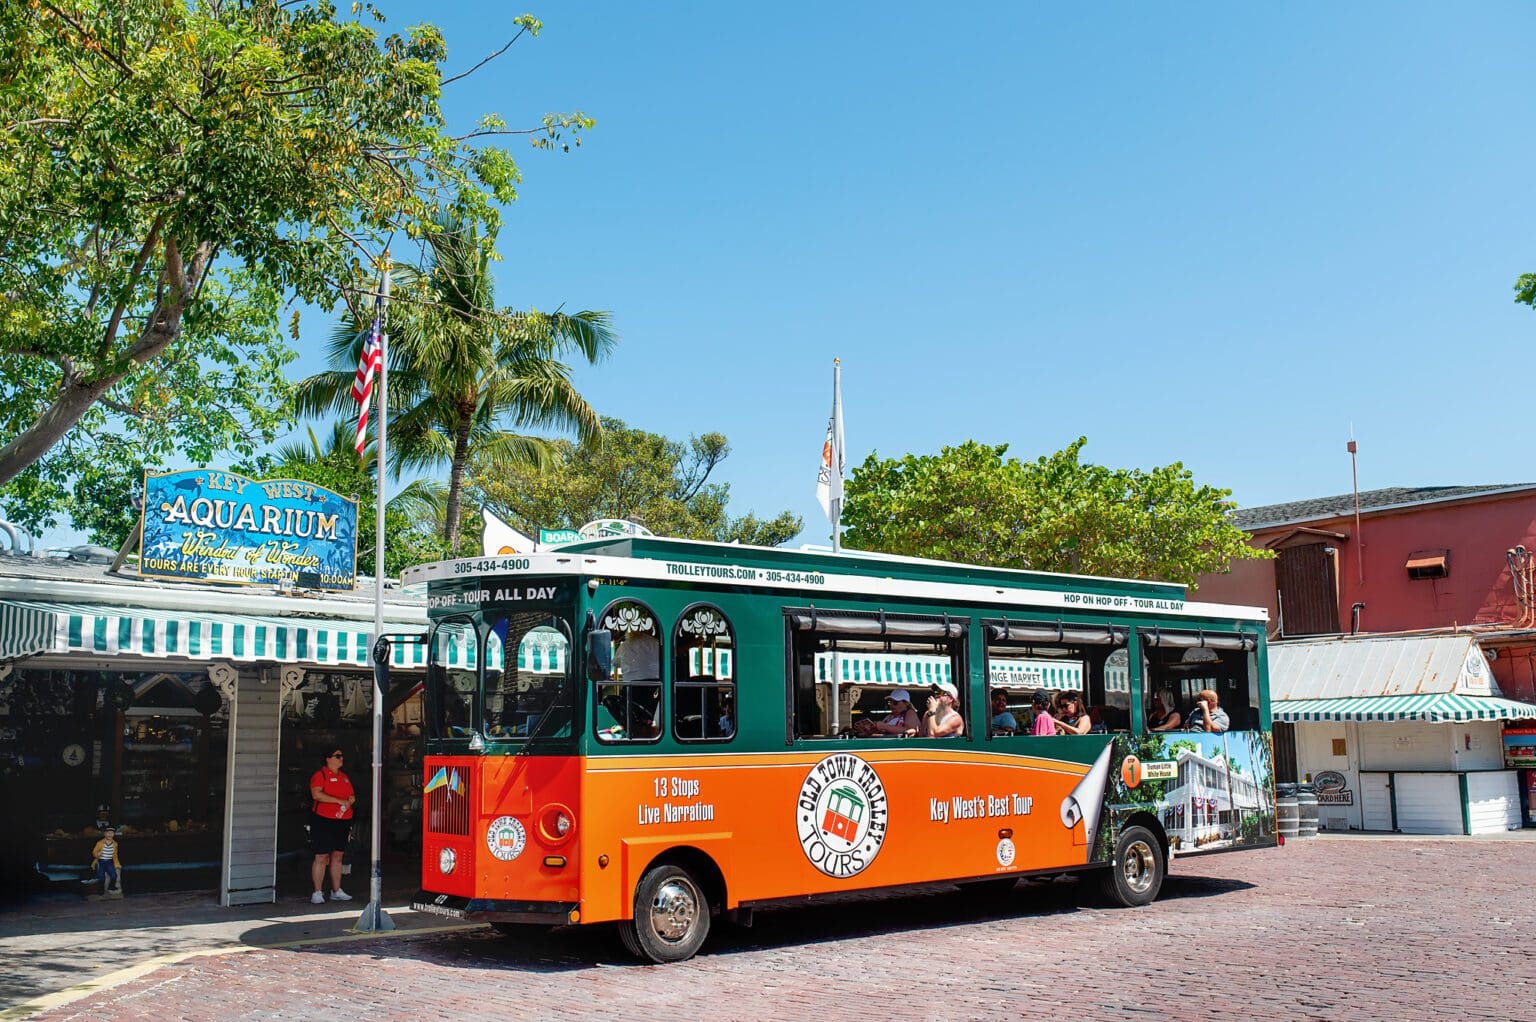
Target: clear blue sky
(1193, 233)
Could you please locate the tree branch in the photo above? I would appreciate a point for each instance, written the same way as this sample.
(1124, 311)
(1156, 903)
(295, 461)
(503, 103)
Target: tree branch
(487, 60)
(120, 408)
(38, 120)
(110, 334)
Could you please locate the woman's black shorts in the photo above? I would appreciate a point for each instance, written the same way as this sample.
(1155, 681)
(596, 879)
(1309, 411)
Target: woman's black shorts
(327, 835)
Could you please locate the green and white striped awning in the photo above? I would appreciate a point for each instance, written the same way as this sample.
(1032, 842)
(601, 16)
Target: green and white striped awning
(1437, 707)
(918, 670)
(28, 629)
(908, 671)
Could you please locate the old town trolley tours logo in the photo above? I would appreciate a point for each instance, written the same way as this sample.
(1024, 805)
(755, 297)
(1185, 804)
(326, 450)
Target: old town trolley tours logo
(505, 838)
(841, 815)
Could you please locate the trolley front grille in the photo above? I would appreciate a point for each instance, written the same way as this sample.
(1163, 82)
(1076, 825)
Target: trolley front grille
(448, 791)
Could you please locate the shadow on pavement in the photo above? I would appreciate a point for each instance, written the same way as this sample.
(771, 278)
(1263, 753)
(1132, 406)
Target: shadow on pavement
(829, 919)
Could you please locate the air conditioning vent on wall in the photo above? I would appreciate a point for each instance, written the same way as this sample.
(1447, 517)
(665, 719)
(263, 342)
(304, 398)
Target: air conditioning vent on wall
(1429, 564)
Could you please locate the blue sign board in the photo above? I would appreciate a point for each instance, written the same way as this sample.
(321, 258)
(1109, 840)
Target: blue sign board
(205, 524)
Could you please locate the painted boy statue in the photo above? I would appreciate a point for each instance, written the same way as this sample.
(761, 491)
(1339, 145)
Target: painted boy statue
(105, 863)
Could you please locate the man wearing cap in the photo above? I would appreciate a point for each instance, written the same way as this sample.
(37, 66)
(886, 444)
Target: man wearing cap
(942, 720)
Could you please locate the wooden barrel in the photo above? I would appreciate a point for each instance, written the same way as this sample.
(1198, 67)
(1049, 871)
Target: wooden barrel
(1286, 818)
(1306, 811)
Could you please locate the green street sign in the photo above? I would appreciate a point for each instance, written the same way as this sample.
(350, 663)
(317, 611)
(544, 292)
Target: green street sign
(555, 537)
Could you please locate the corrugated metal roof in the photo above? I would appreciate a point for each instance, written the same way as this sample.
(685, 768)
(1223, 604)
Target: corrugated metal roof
(1437, 708)
(1391, 665)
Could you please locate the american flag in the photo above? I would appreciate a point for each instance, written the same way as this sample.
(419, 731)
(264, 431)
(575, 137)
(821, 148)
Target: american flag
(362, 387)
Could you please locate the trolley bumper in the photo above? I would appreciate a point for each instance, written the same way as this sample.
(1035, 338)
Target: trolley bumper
(493, 910)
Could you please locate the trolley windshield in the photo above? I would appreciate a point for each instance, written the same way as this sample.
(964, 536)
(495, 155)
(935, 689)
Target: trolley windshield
(501, 675)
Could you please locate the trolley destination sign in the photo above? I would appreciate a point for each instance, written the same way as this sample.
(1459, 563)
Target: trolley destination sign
(223, 527)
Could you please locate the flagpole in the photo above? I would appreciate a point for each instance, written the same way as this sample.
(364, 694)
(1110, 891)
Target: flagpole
(374, 918)
(836, 498)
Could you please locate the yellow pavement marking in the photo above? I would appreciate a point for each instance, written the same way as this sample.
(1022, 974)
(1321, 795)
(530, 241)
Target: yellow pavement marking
(130, 973)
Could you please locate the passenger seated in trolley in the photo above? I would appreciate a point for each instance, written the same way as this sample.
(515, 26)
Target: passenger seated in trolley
(1003, 720)
(1044, 725)
(1164, 715)
(1071, 716)
(1208, 714)
(942, 720)
(902, 720)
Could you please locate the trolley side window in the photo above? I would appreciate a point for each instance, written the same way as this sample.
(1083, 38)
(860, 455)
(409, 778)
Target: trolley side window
(1034, 664)
(628, 704)
(1180, 668)
(453, 685)
(843, 665)
(703, 676)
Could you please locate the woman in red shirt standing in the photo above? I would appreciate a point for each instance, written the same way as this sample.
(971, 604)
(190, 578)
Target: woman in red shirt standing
(330, 823)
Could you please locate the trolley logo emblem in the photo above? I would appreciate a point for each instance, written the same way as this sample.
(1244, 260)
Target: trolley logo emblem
(505, 838)
(1006, 852)
(841, 815)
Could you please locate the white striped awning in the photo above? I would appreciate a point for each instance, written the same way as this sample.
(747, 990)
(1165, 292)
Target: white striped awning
(28, 629)
(918, 670)
(915, 670)
(1436, 707)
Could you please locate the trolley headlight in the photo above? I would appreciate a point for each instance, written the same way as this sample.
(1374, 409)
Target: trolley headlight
(446, 860)
(557, 823)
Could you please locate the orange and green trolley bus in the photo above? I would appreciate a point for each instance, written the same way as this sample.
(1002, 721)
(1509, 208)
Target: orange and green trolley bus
(660, 733)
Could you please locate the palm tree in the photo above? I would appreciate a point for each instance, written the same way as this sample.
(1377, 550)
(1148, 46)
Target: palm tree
(462, 371)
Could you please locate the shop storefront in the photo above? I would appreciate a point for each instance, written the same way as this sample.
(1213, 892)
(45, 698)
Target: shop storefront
(191, 716)
(1398, 733)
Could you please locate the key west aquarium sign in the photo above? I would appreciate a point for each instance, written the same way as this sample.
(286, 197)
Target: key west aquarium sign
(205, 524)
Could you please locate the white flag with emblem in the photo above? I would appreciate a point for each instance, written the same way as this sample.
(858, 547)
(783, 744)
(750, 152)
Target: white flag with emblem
(829, 482)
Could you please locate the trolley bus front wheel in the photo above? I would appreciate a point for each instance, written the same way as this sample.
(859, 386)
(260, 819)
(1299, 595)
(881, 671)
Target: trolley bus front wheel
(1137, 873)
(671, 917)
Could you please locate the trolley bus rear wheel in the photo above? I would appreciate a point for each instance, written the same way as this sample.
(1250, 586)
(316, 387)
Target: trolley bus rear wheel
(671, 917)
(1137, 873)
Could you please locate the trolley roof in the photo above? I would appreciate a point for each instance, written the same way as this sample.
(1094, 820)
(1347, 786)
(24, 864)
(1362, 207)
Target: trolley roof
(813, 573)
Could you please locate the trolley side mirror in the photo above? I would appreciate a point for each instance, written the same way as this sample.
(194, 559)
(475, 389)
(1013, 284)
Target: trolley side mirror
(599, 655)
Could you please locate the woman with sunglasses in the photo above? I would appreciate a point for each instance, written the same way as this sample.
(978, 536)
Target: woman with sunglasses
(1072, 718)
(330, 823)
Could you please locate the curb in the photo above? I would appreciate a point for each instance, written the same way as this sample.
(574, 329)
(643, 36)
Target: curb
(130, 973)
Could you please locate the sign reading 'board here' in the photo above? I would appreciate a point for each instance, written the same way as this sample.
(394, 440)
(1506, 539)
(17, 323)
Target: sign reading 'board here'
(220, 526)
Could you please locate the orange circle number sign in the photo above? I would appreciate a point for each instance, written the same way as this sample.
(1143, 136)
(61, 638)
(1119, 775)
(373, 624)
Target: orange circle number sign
(1130, 771)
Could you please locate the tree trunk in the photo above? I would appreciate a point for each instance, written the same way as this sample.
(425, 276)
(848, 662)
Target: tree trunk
(76, 396)
(74, 400)
(456, 484)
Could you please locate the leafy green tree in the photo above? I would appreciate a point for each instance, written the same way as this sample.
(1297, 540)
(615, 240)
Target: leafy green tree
(332, 462)
(1056, 513)
(629, 473)
(172, 171)
(220, 389)
(462, 370)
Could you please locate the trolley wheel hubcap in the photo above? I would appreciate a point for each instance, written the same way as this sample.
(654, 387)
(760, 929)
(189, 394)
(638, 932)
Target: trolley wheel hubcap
(1138, 867)
(675, 910)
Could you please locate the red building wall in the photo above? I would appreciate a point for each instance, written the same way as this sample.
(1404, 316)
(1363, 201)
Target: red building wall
(1477, 532)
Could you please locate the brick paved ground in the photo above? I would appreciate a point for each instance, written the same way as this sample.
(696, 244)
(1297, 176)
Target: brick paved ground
(1327, 929)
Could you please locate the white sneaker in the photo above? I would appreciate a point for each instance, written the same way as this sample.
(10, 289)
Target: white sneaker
(340, 896)
(317, 898)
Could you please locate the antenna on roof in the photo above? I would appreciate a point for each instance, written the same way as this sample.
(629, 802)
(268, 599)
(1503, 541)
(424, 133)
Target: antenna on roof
(1354, 472)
